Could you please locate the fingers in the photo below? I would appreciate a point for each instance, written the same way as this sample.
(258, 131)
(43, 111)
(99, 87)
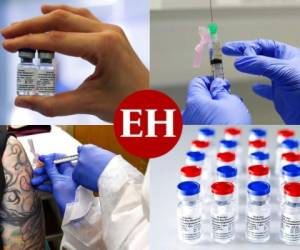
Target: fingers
(199, 88)
(38, 180)
(49, 167)
(78, 11)
(219, 88)
(263, 90)
(39, 171)
(61, 104)
(44, 188)
(59, 20)
(68, 43)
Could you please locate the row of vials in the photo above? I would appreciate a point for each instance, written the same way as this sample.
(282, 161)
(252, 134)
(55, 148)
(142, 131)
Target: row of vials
(35, 79)
(196, 191)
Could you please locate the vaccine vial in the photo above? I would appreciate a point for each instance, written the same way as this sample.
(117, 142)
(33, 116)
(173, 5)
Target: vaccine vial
(194, 158)
(46, 74)
(258, 212)
(191, 173)
(228, 146)
(290, 173)
(206, 134)
(288, 145)
(26, 73)
(226, 159)
(290, 216)
(200, 146)
(258, 158)
(232, 134)
(259, 173)
(189, 213)
(257, 134)
(284, 134)
(222, 212)
(256, 146)
(287, 159)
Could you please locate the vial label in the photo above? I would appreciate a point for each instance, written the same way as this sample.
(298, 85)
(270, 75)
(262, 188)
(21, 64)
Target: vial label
(189, 228)
(26, 81)
(222, 227)
(258, 227)
(290, 229)
(46, 82)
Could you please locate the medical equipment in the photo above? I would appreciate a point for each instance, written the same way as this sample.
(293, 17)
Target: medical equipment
(66, 159)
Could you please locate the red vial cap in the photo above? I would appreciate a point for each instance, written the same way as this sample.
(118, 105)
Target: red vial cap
(222, 188)
(286, 133)
(226, 156)
(233, 131)
(191, 171)
(258, 170)
(200, 144)
(292, 189)
(258, 143)
(291, 157)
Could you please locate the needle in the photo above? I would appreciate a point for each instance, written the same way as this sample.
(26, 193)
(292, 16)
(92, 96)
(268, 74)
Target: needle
(66, 159)
(211, 12)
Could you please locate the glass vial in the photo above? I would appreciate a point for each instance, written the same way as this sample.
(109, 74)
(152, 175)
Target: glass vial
(259, 173)
(46, 74)
(222, 212)
(26, 73)
(258, 212)
(189, 212)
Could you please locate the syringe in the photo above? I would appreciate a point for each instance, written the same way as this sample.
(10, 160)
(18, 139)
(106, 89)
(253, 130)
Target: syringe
(215, 54)
(66, 159)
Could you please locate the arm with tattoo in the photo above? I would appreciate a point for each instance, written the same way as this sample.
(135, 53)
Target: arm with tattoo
(21, 212)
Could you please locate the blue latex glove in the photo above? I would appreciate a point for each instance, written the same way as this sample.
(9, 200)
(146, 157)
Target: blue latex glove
(92, 161)
(56, 180)
(210, 102)
(281, 64)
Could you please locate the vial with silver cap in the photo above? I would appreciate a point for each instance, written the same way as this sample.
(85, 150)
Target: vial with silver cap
(290, 216)
(26, 73)
(46, 74)
(258, 212)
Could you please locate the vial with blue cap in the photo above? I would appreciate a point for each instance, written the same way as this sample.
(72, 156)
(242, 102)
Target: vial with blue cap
(189, 212)
(257, 134)
(206, 134)
(288, 145)
(228, 146)
(290, 215)
(258, 158)
(258, 212)
(222, 212)
(289, 173)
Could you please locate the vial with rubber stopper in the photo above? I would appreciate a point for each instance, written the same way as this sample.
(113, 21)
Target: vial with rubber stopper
(26, 73)
(189, 212)
(258, 158)
(258, 212)
(284, 134)
(222, 212)
(259, 173)
(257, 134)
(232, 134)
(289, 173)
(46, 74)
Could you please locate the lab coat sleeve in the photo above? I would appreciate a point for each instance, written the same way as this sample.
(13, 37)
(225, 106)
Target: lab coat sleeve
(118, 219)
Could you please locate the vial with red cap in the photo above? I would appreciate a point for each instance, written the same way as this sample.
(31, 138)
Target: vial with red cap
(257, 134)
(284, 134)
(222, 212)
(289, 173)
(259, 173)
(200, 146)
(232, 134)
(290, 214)
(287, 159)
(257, 146)
(258, 212)
(288, 145)
(226, 159)
(189, 212)
(233, 147)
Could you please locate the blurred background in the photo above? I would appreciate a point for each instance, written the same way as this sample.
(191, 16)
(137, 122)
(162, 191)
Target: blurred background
(131, 15)
(174, 34)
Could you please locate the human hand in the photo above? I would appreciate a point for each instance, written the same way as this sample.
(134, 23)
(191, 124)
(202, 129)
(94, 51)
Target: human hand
(56, 180)
(277, 61)
(91, 163)
(76, 32)
(210, 102)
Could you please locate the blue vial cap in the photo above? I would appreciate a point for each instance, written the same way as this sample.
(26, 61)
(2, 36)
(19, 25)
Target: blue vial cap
(228, 143)
(259, 188)
(195, 155)
(227, 171)
(207, 131)
(259, 132)
(291, 170)
(261, 156)
(290, 143)
(188, 188)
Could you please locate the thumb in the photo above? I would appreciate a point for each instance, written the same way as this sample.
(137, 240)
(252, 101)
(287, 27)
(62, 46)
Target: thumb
(61, 104)
(49, 167)
(219, 88)
(259, 65)
(263, 90)
(199, 89)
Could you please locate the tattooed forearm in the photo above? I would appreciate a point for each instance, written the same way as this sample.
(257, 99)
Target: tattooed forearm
(21, 212)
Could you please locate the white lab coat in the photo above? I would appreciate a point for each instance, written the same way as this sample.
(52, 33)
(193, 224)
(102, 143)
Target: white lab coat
(117, 220)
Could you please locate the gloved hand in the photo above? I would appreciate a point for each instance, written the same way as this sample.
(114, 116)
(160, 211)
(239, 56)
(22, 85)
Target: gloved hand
(277, 61)
(92, 161)
(210, 102)
(56, 180)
